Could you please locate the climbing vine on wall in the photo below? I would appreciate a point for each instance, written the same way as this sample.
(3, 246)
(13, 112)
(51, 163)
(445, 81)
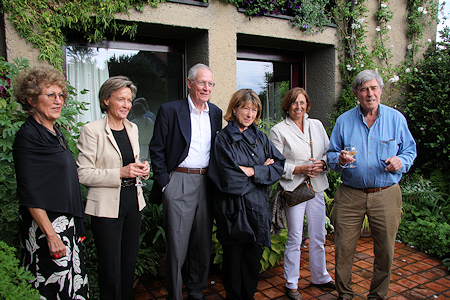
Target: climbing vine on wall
(44, 23)
(351, 19)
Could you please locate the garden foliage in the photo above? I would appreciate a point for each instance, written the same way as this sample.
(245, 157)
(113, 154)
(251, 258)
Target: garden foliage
(427, 106)
(426, 219)
(309, 16)
(45, 24)
(13, 278)
(11, 118)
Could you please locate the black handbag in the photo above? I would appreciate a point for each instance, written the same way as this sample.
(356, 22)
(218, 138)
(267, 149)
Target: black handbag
(304, 191)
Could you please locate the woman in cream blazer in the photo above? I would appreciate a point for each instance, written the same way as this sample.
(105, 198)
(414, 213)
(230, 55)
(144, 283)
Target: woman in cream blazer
(292, 138)
(108, 165)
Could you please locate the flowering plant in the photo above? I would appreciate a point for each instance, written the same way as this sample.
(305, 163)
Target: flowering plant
(309, 16)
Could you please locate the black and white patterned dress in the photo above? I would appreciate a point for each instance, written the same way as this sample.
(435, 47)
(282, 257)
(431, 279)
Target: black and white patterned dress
(47, 179)
(62, 278)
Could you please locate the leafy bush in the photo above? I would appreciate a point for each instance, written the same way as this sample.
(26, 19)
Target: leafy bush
(272, 255)
(14, 279)
(11, 118)
(428, 234)
(425, 221)
(427, 106)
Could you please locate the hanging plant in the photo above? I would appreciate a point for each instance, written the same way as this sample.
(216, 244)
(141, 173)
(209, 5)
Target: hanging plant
(309, 16)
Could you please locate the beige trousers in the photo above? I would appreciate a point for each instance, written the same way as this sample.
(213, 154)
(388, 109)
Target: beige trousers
(383, 209)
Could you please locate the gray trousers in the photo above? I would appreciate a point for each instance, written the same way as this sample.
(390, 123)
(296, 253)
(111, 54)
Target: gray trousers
(188, 226)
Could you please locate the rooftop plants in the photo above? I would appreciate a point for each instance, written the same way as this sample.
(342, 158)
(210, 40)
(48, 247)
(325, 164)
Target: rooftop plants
(309, 16)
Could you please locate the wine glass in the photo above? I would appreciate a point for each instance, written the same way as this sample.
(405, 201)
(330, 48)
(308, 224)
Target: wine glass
(351, 151)
(140, 182)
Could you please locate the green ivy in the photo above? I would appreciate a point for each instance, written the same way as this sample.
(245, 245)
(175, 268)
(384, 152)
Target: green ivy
(45, 24)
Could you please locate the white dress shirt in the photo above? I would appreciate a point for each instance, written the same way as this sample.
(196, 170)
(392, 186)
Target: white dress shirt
(200, 147)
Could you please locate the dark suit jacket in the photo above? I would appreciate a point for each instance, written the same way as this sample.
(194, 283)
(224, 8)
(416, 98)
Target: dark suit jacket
(171, 139)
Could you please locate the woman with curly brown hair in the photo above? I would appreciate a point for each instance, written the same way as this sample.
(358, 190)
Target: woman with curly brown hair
(51, 207)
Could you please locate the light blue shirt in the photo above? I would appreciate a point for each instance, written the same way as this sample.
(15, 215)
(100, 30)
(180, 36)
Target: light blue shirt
(389, 136)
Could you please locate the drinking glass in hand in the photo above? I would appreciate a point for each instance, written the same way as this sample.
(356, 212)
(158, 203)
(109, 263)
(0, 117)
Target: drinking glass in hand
(140, 183)
(351, 151)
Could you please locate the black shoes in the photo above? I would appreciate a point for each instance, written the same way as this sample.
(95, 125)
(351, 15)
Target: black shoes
(329, 285)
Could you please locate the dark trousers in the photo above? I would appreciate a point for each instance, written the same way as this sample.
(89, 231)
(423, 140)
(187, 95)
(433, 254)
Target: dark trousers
(117, 242)
(240, 269)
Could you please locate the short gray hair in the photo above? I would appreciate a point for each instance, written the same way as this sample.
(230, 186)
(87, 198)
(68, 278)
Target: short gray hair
(111, 85)
(364, 76)
(194, 69)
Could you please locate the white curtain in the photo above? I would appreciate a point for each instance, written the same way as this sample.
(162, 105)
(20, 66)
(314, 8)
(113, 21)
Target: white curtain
(86, 75)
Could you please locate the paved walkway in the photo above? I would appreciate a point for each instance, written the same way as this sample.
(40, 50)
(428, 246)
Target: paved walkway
(415, 275)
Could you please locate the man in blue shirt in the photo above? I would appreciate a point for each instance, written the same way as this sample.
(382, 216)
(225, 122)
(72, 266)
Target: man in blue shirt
(385, 149)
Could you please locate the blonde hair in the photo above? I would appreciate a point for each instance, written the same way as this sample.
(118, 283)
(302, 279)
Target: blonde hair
(111, 85)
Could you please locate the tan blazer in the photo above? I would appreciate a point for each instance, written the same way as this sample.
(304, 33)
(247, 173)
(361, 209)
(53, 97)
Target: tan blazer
(99, 163)
(294, 145)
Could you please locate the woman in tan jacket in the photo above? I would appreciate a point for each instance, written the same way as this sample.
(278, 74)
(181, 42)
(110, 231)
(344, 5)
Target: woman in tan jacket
(108, 164)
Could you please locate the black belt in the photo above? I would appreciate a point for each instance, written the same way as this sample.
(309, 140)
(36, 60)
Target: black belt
(201, 171)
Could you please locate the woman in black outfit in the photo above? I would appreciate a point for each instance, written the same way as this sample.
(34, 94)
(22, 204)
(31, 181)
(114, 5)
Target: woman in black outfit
(109, 165)
(243, 166)
(51, 206)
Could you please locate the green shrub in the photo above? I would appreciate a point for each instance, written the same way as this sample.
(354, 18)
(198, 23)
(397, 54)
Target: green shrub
(11, 118)
(272, 255)
(427, 234)
(427, 107)
(425, 220)
(13, 278)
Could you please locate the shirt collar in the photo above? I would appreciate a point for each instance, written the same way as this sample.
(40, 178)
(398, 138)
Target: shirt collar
(380, 111)
(194, 109)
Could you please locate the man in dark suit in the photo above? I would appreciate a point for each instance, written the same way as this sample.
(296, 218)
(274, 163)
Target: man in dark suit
(180, 154)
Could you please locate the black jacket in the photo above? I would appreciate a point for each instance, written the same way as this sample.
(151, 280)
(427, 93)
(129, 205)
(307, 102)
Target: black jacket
(171, 139)
(241, 204)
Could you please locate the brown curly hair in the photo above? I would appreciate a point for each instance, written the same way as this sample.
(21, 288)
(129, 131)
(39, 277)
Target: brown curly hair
(29, 84)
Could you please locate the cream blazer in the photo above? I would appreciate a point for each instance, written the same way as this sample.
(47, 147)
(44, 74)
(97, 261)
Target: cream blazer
(99, 163)
(294, 145)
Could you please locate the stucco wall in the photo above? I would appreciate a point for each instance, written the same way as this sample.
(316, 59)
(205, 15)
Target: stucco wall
(212, 32)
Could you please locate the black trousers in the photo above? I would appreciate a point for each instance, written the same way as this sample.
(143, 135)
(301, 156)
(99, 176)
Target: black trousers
(117, 242)
(240, 269)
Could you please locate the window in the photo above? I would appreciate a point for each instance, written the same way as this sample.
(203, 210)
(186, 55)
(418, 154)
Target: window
(156, 70)
(270, 73)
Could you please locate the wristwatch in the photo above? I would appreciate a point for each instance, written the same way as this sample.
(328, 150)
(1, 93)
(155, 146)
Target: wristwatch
(325, 166)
